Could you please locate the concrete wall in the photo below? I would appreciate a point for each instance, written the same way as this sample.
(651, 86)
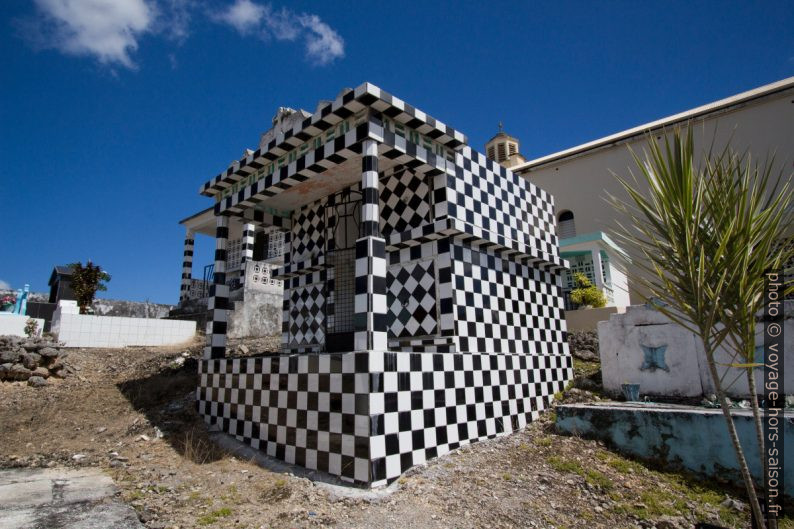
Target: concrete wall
(580, 183)
(587, 319)
(79, 330)
(622, 340)
(695, 439)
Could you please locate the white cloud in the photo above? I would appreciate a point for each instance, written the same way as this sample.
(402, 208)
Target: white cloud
(244, 16)
(110, 30)
(4, 285)
(105, 29)
(323, 44)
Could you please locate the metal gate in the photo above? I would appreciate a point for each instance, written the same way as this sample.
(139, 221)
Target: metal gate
(343, 225)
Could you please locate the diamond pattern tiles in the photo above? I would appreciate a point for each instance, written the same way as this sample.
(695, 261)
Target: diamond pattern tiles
(411, 298)
(306, 315)
(404, 202)
(307, 232)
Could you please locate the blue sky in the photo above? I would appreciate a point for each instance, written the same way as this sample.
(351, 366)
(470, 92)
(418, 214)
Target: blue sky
(113, 112)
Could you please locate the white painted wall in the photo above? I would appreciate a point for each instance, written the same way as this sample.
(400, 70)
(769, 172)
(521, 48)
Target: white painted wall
(14, 324)
(620, 343)
(580, 183)
(620, 286)
(82, 330)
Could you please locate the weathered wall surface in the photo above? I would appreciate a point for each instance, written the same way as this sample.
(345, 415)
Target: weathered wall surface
(131, 309)
(695, 439)
(111, 307)
(259, 315)
(643, 346)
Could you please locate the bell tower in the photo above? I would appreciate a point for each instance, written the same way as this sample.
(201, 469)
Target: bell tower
(504, 149)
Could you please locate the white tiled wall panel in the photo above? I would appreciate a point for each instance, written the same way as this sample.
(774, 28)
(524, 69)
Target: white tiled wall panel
(80, 330)
(14, 324)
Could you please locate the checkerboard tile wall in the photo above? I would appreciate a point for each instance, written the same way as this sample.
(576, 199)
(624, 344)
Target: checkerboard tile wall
(488, 196)
(425, 404)
(309, 409)
(504, 306)
(368, 416)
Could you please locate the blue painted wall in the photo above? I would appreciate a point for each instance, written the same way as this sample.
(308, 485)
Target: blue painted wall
(692, 439)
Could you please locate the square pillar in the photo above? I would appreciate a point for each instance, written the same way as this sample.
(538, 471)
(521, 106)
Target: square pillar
(370, 301)
(247, 249)
(598, 268)
(218, 303)
(187, 265)
(287, 292)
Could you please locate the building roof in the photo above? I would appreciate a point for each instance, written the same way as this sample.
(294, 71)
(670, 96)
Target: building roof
(60, 271)
(327, 116)
(723, 105)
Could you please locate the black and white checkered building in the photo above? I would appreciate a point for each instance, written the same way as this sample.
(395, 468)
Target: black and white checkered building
(422, 298)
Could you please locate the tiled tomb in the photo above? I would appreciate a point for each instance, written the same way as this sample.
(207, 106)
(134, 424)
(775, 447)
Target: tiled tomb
(422, 296)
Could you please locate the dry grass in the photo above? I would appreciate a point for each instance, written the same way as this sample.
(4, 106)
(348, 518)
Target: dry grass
(196, 447)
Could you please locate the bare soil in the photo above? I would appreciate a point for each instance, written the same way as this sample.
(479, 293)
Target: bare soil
(131, 412)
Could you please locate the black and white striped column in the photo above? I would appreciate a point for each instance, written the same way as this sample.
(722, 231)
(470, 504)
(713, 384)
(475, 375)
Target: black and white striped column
(218, 303)
(370, 301)
(247, 249)
(285, 334)
(187, 265)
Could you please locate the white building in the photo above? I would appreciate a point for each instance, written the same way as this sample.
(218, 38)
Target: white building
(580, 178)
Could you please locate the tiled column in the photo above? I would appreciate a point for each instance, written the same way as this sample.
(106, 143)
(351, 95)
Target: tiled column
(219, 294)
(370, 302)
(247, 250)
(187, 265)
(285, 323)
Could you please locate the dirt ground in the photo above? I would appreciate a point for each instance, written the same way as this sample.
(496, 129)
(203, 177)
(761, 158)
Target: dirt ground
(131, 413)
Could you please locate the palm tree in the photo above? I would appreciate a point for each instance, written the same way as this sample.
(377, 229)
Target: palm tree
(708, 235)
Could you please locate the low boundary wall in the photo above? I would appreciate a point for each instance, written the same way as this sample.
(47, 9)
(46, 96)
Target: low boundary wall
(82, 330)
(680, 437)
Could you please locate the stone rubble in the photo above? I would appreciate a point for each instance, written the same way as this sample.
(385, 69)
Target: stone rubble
(34, 360)
(584, 345)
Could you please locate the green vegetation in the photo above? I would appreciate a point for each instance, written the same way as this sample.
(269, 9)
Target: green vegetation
(585, 293)
(543, 441)
(585, 369)
(86, 282)
(591, 476)
(214, 516)
(708, 233)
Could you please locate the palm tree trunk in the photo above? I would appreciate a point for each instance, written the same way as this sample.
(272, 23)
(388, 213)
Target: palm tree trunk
(737, 447)
(759, 430)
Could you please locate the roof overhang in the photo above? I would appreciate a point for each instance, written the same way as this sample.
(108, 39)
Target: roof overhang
(326, 126)
(588, 241)
(698, 113)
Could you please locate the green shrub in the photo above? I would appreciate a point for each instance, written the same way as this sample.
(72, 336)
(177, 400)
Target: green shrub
(586, 293)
